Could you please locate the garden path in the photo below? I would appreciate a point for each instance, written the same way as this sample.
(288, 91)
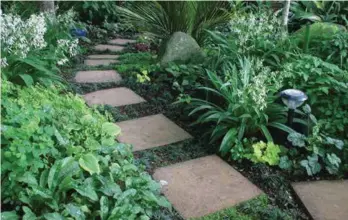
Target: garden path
(324, 199)
(195, 187)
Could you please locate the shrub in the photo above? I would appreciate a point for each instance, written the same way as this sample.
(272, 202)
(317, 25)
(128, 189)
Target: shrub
(60, 160)
(160, 19)
(94, 12)
(327, 88)
(258, 33)
(330, 46)
(242, 104)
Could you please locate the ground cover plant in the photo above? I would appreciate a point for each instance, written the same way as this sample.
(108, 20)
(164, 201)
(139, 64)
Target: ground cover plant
(60, 154)
(60, 158)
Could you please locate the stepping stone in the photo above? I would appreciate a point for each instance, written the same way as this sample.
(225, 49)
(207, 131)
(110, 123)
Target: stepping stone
(100, 62)
(324, 199)
(104, 47)
(205, 185)
(114, 97)
(151, 131)
(120, 41)
(97, 76)
(103, 56)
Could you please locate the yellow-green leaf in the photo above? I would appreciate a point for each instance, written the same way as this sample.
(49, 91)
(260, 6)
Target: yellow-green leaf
(89, 163)
(111, 129)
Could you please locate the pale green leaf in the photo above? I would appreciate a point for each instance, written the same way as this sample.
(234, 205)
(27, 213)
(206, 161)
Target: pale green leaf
(89, 163)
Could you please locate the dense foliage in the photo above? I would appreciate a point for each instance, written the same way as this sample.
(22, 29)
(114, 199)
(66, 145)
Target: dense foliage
(32, 48)
(94, 12)
(160, 19)
(248, 65)
(60, 159)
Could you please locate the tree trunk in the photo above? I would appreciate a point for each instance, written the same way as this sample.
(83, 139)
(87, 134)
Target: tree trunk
(285, 16)
(47, 6)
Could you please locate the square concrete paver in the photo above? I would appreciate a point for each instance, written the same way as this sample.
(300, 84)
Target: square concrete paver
(151, 131)
(114, 97)
(100, 62)
(205, 185)
(120, 41)
(104, 47)
(325, 200)
(103, 56)
(97, 76)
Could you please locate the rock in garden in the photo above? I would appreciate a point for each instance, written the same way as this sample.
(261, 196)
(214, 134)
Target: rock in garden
(181, 47)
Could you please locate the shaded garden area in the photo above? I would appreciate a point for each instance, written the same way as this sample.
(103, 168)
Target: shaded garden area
(110, 109)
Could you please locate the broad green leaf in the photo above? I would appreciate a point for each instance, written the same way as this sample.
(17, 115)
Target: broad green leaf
(162, 201)
(144, 217)
(51, 174)
(92, 144)
(228, 140)
(66, 184)
(111, 129)
(333, 163)
(69, 167)
(297, 139)
(110, 188)
(89, 163)
(242, 129)
(88, 191)
(311, 164)
(28, 80)
(266, 133)
(104, 207)
(43, 178)
(75, 211)
(44, 193)
(60, 139)
(285, 163)
(28, 178)
(29, 215)
(281, 127)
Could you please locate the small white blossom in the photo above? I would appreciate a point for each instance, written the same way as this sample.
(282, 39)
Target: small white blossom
(19, 36)
(263, 27)
(62, 61)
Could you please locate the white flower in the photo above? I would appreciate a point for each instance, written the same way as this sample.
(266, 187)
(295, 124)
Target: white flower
(19, 36)
(62, 61)
(67, 47)
(261, 27)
